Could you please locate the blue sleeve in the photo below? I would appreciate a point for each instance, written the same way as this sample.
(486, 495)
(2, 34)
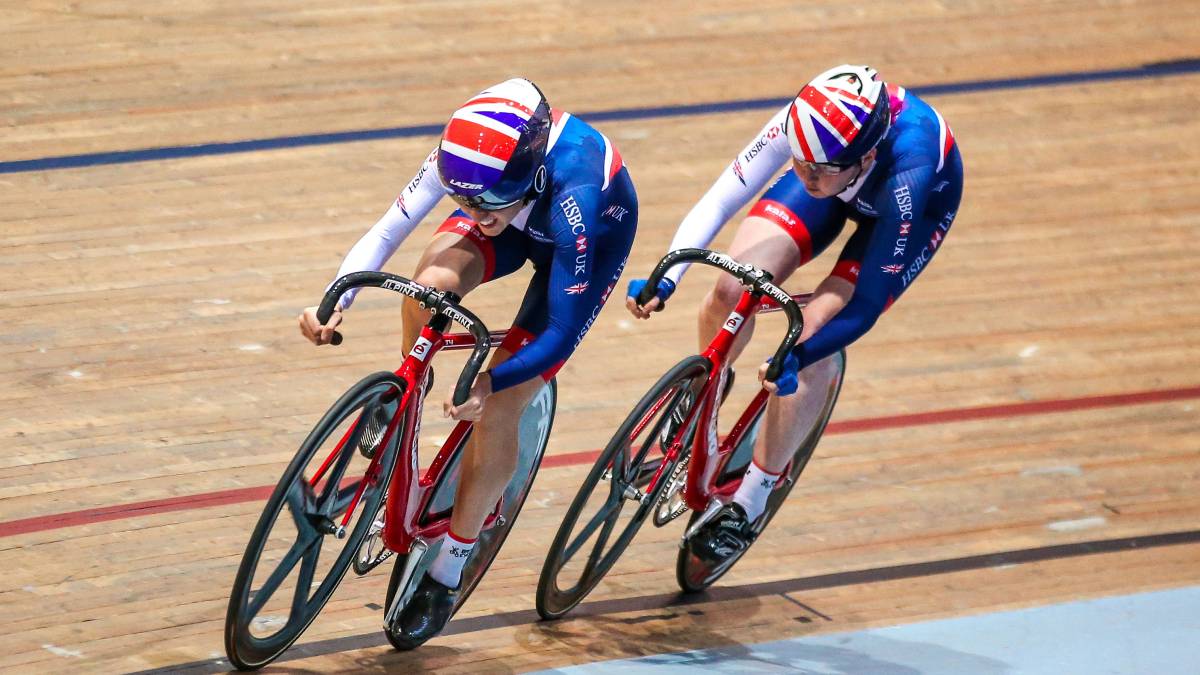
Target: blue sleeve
(572, 294)
(899, 235)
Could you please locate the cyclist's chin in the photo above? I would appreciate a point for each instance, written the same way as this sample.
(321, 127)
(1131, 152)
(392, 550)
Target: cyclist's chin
(818, 192)
(493, 229)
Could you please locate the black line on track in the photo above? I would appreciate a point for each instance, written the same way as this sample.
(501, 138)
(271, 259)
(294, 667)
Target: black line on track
(723, 593)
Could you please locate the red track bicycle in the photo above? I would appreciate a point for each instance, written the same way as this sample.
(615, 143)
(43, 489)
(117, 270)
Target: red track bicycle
(356, 477)
(664, 467)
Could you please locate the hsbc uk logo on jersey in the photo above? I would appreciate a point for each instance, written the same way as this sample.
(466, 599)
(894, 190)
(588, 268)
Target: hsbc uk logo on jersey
(574, 216)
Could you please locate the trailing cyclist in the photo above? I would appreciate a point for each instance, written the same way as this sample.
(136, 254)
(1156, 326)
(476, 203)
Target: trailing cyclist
(860, 150)
(532, 183)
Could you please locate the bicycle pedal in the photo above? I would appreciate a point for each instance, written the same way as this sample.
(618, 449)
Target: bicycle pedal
(713, 507)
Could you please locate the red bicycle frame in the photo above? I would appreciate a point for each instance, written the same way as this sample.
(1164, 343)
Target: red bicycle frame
(404, 504)
(410, 493)
(708, 452)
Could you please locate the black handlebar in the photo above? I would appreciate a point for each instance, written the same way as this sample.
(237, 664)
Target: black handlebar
(439, 302)
(758, 281)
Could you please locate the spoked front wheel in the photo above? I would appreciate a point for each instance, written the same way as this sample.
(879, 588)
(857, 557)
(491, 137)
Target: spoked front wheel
(694, 574)
(591, 537)
(533, 433)
(291, 565)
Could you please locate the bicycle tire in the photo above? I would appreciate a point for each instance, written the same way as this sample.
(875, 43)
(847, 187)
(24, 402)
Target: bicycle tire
(247, 651)
(553, 601)
(492, 539)
(694, 575)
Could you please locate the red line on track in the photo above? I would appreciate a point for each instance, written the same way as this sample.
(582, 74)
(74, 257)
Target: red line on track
(223, 497)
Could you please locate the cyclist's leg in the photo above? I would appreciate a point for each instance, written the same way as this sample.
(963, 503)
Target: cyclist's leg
(788, 418)
(492, 453)
(459, 258)
(788, 220)
(783, 231)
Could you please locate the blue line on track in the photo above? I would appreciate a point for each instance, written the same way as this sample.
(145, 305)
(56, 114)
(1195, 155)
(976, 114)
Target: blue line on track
(1164, 69)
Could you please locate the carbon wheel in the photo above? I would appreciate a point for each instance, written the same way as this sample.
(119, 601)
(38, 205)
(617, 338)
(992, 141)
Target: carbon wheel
(281, 584)
(580, 556)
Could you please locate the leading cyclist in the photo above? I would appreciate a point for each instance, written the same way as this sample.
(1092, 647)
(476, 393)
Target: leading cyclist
(860, 150)
(532, 183)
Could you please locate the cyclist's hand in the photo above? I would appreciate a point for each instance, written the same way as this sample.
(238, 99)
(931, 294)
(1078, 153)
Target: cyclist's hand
(788, 380)
(663, 291)
(312, 329)
(471, 409)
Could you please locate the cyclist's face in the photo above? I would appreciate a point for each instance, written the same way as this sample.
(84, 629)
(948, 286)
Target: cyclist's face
(493, 222)
(820, 182)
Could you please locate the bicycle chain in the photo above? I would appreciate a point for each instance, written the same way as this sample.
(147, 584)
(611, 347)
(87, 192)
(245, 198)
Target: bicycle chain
(674, 489)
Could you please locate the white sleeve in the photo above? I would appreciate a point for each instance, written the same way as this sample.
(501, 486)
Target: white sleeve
(415, 202)
(737, 184)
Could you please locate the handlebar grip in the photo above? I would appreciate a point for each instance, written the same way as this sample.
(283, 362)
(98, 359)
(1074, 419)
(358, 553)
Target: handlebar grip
(325, 311)
(448, 307)
(647, 293)
(795, 328)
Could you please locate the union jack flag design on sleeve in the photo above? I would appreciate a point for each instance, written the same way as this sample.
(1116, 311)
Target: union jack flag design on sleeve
(830, 111)
(482, 134)
(576, 289)
(893, 269)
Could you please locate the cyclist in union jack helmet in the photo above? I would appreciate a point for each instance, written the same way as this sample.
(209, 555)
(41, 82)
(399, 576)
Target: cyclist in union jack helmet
(860, 150)
(532, 183)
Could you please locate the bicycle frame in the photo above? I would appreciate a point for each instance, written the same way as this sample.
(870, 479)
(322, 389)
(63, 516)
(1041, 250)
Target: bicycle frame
(408, 494)
(708, 452)
(400, 525)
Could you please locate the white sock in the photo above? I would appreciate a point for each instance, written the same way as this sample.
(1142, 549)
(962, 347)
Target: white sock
(447, 566)
(756, 487)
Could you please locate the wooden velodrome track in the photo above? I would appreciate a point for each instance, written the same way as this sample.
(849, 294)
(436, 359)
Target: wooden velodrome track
(1020, 430)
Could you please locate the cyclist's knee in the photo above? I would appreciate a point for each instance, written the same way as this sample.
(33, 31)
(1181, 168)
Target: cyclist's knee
(724, 296)
(442, 278)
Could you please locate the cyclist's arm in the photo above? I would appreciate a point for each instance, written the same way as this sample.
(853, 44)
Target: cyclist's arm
(571, 293)
(737, 185)
(415, 201)
(884, 265)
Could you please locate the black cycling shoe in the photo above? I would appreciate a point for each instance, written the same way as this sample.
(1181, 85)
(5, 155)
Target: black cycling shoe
(427, 612)
(729, 533)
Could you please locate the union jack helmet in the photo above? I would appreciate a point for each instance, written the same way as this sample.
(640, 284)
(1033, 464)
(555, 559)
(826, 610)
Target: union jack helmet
(494, 145)
(838, 116)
